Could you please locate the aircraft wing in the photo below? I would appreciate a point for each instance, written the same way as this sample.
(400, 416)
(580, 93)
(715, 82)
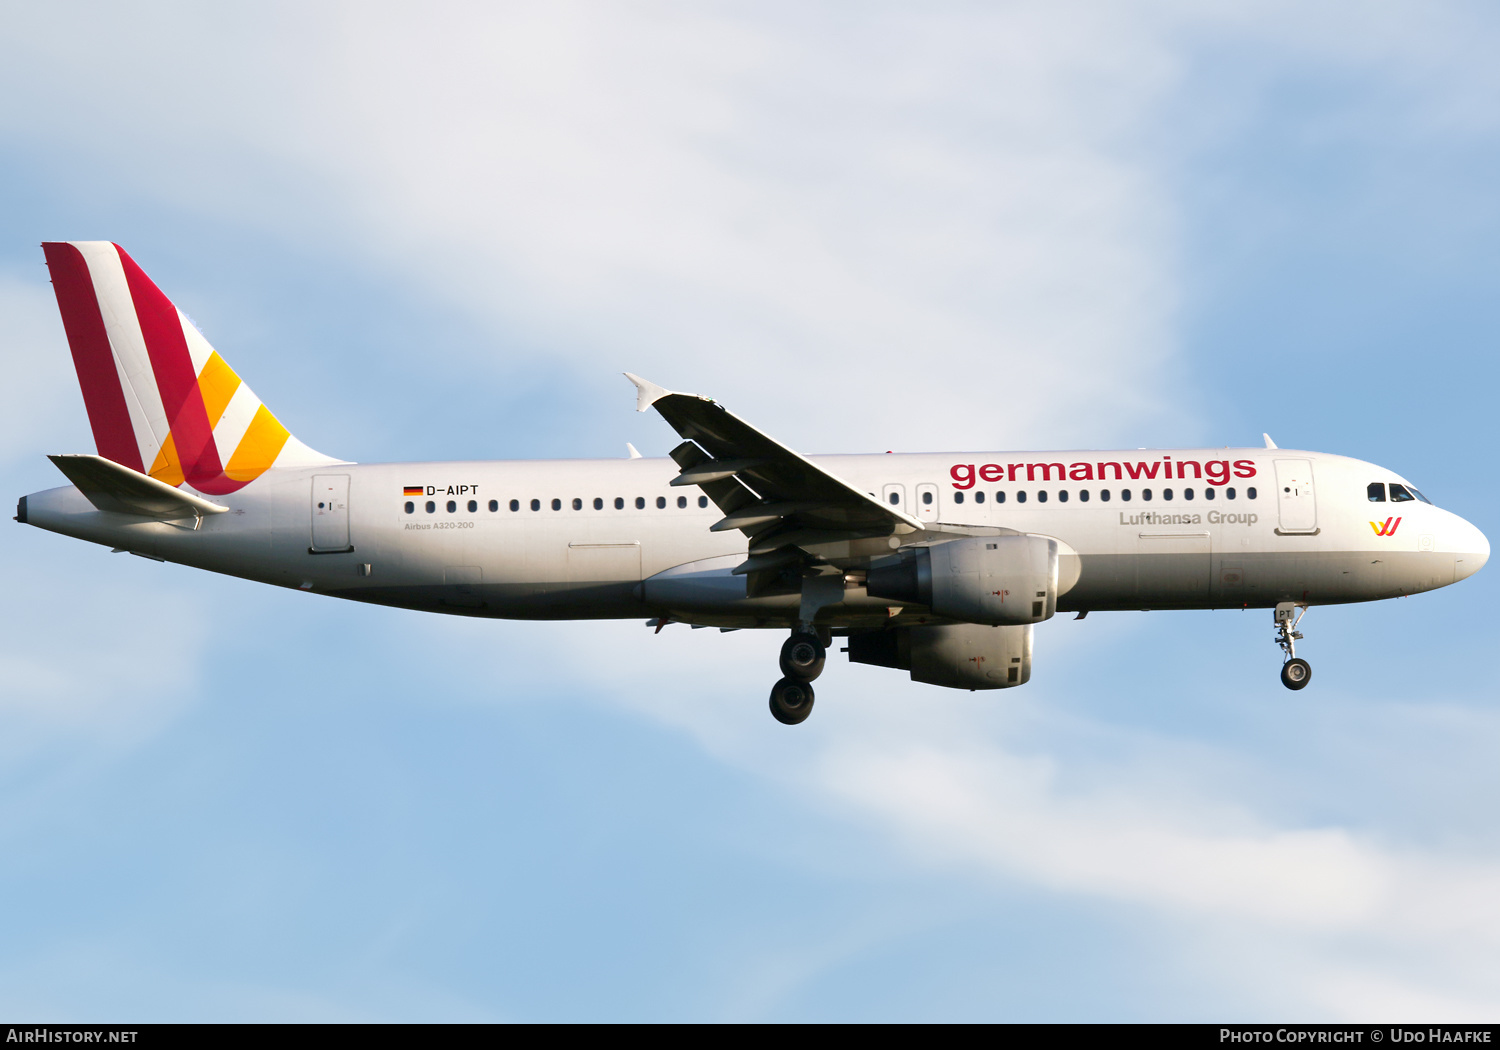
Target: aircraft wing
(788, 507)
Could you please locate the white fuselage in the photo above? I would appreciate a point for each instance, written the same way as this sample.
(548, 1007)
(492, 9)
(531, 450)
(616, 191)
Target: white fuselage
(586, 537)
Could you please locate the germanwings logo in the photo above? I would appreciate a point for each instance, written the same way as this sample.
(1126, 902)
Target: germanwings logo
(1387, 527)
(160, 400)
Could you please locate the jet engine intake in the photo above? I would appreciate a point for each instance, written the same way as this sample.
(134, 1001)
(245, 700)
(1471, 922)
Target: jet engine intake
(993, 580)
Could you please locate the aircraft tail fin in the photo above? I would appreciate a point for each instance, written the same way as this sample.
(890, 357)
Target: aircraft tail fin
(160, 399)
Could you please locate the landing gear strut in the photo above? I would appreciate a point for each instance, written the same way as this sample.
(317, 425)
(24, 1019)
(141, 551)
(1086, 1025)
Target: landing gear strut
(1295, 672)
(802, 659)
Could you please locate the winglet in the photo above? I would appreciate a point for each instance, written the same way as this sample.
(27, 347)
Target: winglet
(632, 450)
(1269, 442)
(647, 392)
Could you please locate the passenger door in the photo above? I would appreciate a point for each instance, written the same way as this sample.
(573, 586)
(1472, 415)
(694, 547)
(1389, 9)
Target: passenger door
(1295, 503)
(330, 514)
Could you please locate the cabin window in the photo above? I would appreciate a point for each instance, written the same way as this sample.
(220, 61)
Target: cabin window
(1021, 496)
(515, 505)
(494, 505)
(1062, 497)
(410, 507)
(1187, 493)
(702, 501)
(1124, 495)
(895, 498)
(1399, 494)
(577, 503)
(598, 503)
(1166, 494)
(536, 504)
(1083, 495)
(640, 503)
(473, 506)
(1104, 495)
(926, 499)
(431, 507)
(1375, 492)
(1041, 497)
(681, 502)
(978, 497)
(1229, 492)
(1000, 497)
(1146, 495)
(1208, 493)
(619, 503)
(557, 504)
(1250, 492)
(958, 497)
(661, 503)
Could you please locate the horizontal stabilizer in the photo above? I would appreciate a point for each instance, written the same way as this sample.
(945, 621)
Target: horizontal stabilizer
(112, 487)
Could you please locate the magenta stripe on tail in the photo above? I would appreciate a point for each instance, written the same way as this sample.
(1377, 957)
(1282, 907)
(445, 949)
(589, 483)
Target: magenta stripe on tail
(114, 436)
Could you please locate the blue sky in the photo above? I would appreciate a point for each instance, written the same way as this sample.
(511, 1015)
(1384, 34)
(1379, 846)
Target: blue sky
(442, 234)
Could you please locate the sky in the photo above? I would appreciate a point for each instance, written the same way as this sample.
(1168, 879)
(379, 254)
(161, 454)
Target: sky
(443, 233)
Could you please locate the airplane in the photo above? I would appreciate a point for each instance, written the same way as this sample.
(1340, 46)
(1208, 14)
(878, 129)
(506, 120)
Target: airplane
(937, 564)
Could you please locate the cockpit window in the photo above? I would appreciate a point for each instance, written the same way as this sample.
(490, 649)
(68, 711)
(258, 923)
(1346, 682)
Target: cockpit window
(1376, 492)
(1399, 494)
(1419, 495)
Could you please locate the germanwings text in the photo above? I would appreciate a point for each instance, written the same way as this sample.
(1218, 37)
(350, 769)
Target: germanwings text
(1214, 471)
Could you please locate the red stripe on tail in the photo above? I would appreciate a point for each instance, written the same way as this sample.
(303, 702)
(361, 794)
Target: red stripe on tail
(114, 436)
(175, 378)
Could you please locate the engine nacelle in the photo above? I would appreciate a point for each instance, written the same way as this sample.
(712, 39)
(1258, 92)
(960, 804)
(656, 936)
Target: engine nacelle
(959, 656)
(991, 580)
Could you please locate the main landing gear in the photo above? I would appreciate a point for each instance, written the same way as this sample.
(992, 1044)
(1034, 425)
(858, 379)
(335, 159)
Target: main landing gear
(802, 658)
(1295, 672)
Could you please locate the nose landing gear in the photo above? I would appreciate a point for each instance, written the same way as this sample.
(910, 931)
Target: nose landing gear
(802, 658)
(1295, 672)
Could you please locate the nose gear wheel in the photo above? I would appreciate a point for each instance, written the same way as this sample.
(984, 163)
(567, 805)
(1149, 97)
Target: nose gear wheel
(1295, 671)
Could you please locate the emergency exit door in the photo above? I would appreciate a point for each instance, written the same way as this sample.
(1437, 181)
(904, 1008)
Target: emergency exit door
(927, 502)
(894, 496)
(330, 514)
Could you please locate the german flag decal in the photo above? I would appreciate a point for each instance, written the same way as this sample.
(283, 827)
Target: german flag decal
(413, 490)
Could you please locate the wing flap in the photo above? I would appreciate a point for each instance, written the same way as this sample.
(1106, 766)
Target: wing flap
(793, 512)
(770, 470)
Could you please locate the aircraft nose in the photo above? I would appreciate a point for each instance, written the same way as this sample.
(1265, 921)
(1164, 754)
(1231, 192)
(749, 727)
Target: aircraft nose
(1473, 551)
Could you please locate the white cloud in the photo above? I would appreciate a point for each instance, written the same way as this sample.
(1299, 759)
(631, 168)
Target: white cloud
(1315, 918)
(40, 407)
(931, 224)
(952, 227)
